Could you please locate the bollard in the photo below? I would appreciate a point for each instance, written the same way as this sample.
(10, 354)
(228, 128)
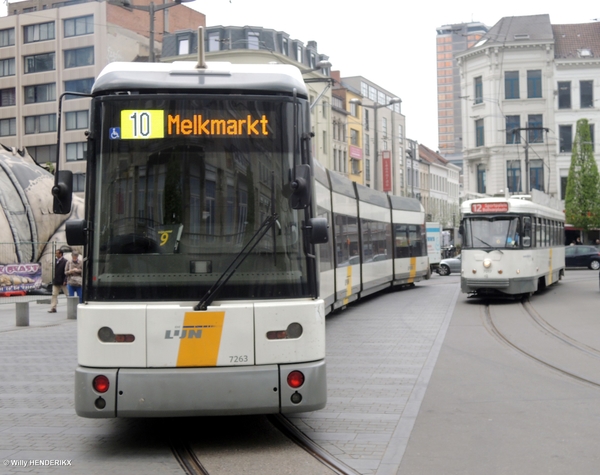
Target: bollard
(72, 303)
(22, 314)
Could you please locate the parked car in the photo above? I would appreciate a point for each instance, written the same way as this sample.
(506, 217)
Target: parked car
(582, 256)
(449, 265)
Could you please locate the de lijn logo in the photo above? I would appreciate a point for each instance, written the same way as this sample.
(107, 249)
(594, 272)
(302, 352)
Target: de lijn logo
(187, 331)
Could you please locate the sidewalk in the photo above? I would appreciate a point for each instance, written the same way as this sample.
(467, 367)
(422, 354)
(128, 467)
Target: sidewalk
(38, 311)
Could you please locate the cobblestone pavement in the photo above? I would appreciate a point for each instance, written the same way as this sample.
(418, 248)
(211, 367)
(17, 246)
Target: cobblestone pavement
(380, 355)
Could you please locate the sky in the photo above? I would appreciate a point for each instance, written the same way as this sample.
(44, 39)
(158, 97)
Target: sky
(391, 43)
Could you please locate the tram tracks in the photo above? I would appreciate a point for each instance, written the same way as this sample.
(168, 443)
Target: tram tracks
(198, 458)
(548, 346)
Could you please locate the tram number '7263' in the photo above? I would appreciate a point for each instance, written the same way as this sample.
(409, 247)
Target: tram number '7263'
(238, 359)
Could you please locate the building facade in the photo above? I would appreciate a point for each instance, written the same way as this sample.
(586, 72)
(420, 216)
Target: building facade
(383, 135)
(47, 49)
(451, 40)
(530, 82)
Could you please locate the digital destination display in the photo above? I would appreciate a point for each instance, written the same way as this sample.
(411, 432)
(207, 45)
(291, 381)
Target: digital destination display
(498, 207)
(152, 124)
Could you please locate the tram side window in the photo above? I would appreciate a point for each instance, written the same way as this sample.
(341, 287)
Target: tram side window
(376, 240)
(527, 231)
(325, 250)
(401, 248)
(346, 239)
(416, 239)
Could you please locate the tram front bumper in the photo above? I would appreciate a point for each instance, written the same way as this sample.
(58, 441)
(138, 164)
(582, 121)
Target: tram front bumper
(180, 392)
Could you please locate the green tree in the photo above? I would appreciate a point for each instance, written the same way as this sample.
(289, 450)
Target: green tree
(582, 198)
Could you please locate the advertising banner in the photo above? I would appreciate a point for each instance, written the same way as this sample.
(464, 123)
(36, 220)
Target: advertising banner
(17, 277)
(386, 164)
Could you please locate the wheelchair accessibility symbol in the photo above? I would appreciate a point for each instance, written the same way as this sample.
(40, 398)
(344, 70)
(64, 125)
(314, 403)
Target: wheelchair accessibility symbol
(114, 133)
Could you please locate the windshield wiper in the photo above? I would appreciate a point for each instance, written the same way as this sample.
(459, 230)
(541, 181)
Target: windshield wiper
(479, 239)
(263, 229)
(237, 262)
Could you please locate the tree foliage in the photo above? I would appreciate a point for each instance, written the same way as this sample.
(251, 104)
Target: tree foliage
(582, 198)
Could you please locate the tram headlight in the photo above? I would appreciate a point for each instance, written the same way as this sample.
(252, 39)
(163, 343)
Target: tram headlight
(487, 263)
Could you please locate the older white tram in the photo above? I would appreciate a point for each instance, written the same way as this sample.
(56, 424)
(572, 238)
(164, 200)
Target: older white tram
(510, 246)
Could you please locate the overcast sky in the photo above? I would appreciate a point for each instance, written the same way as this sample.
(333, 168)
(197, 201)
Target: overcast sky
(390, 43)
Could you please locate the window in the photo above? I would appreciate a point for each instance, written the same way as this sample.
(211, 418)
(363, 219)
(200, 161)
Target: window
(7, 67)
(253, 40)
(384, 126)
(367, 145)
(592, 135)
(324, 142)
(76, 151)
(400, 134)
(513, 175)
(79, 182)
(564, 95)
(43, 153)
(479, 133)
(324, 106)
(79, 85)
(355, 166)
(8, 127)
(299, 53)
(513, 124)
(511, 84)
(586, 94)
(478, 83)
(353, 109)
(39, 124)
(214, 42)
(354, 137)
(7, 37)
(480, 178)
(534, 83)
(83, 25)
(366, 122)
(39, 32)
(563, 186)
(285, 47)
(40, 93)
(38, 63)
(566, 138)
(7, 97)
(535, 121)
(76, 120)
(183, 46)
(79, 57)
(536, 175)
(367, 169)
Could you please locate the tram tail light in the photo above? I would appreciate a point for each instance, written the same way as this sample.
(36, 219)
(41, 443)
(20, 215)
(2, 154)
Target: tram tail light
(101, 383)
(295, 379)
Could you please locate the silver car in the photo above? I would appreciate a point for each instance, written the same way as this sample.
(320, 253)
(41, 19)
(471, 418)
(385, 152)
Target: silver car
(449, 266)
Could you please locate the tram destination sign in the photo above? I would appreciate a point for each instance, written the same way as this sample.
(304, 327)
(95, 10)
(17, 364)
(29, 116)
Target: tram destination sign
(494, 207)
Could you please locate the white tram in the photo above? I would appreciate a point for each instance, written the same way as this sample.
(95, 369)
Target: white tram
(376, 241)
(510, 246)
(201, 285)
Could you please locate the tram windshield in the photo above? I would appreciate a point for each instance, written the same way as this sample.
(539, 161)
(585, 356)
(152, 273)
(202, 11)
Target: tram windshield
(181, 186)
(491, 232)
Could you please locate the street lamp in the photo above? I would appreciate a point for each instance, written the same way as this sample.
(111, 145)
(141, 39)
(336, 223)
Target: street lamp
(376, 107)
(152, 9)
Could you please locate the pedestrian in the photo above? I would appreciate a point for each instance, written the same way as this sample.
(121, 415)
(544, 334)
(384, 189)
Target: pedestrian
(578, 241)
(60, 280)
(73, 271)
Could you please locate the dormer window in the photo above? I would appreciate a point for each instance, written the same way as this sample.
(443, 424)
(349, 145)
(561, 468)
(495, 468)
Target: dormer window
(585, 53)
(524, 36)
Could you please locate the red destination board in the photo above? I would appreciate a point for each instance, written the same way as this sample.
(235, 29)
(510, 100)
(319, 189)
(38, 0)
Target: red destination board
(499, 207)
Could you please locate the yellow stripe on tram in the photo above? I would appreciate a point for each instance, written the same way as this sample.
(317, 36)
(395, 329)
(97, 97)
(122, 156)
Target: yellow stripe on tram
(412, 270)
(348, 284)
(200, 339)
